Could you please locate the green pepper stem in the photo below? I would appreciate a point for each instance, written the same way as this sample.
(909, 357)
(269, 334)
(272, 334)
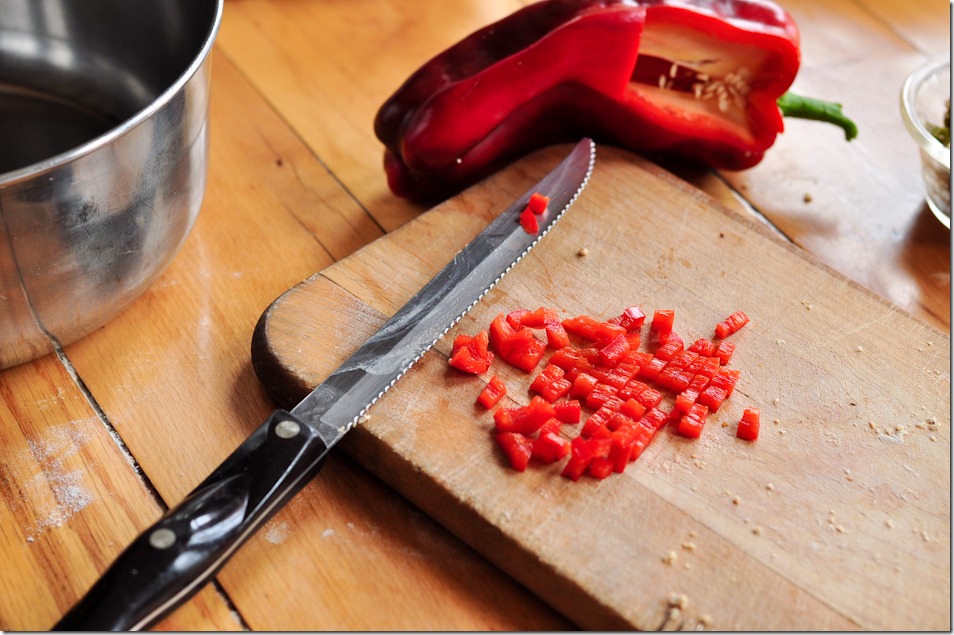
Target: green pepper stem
(793, 105)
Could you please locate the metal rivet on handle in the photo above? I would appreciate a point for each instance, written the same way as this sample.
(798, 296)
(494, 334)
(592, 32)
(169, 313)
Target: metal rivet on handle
(162, 538)
(287, 429)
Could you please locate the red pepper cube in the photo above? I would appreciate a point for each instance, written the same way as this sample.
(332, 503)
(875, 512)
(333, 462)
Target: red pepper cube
(707, 366)
(557, 337)
(643, 437)
(621, 449)
(726, 379)
(517, 447)
(528, 220)
(539, 411)
(650, 371)
(599, 395)
(667, 350)
(547, 376)
(619, 420)
(565, 357)
(600, 467)
(465, 361)
(538, 203)
(514, 318)
(703, 346)
(654, 419)
(521, 349)
(731, 324)
(663, 320)
(684, 401)
(583, 385)
(712, 397)
(539, 318)
(689, 427)
(549, 448)
(556, 389)
(748, 429)
(633, 409)
(597, 424)
(724, 352)
(634, 339)
(613, 351)
(580, 457)
(649, 398)
(632, 389)
(492, 393)
(631, 319)
(568, 411)
(552, 425)
(673, 379)
(683, 359)
(500, 331)
(639, 358)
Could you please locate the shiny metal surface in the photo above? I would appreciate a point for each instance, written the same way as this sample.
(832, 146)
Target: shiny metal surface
(103, 124)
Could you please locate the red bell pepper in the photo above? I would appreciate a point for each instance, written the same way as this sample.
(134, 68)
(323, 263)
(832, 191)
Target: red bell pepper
(692, 78)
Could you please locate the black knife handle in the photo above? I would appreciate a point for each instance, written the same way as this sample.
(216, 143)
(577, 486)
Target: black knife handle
(169, 562)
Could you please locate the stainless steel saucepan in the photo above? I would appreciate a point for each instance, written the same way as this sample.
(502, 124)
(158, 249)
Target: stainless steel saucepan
(103, 157)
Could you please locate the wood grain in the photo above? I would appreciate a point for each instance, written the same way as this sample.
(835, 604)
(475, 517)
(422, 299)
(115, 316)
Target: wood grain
(139, 411)
(844, 499)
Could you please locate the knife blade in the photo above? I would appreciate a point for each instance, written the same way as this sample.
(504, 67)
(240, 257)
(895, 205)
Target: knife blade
(171, 560)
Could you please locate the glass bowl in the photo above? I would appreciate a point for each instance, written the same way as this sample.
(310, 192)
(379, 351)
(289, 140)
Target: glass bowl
(923, 103)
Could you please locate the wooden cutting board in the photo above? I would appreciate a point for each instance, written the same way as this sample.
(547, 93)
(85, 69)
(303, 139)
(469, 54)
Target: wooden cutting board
(837, 517)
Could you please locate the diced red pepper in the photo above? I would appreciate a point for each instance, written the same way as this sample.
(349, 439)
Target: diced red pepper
(649, 398)
(621, 450)
(641, 440)
(612, 352)
(690, 427)
(712, 397)
(663, 320)
(517, 447)
(583, 385)
(726, 379)
(547, 376)
(518, 347)
(724, 351)
(600, 393)
(674, 379)
(631, 319)
(600, 467)
(667, 350)
(568, 411)
(515, 317)
(528, 220)
(557, 337)
(471, 354)
(599, 332)
(632, 389)
(707, 366)
(651, 370)
(731, 324)
(633, 409)
(565, 357)
(654, 418)
(703, 346)
(556, 389)
(492, 393)
(549, 448)
(581, 454)
(538, 203)
(749, 424)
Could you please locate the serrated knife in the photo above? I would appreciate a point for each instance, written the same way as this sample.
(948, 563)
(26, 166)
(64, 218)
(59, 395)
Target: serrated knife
(170, 561)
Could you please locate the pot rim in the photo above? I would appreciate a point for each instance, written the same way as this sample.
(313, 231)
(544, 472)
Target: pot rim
(46, 165)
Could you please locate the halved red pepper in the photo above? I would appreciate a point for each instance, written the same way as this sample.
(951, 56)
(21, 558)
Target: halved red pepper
(693, 78)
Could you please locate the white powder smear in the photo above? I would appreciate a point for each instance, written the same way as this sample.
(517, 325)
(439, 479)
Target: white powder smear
(69, 493)
(277, 533)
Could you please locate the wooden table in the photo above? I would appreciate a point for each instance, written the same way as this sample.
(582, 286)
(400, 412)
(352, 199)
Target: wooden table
(96, 443)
